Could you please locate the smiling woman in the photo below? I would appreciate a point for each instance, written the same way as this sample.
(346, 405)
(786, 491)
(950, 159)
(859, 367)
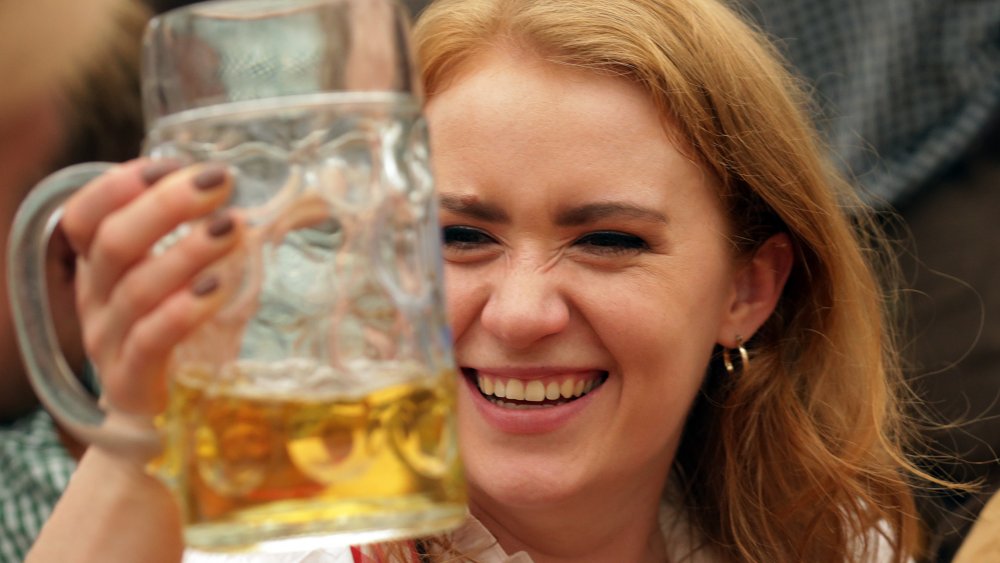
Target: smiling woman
(672, 341)
(628, 190)
(606, 267)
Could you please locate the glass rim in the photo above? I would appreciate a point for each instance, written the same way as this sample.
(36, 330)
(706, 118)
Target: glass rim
(227, 9)
(169, 77)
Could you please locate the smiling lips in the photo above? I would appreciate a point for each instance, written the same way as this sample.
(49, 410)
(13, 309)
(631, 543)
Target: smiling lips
(546, 391)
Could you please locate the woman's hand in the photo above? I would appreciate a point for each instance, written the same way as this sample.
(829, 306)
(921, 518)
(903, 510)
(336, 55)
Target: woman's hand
(135, 306)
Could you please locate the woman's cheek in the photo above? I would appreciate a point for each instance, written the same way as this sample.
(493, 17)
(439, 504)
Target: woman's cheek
(459, 298)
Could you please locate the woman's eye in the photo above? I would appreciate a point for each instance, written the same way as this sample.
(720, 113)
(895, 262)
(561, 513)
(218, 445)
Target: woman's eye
(459, 237)
(611, 242)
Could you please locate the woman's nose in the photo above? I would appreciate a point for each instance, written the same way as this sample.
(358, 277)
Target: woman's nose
(524, 307)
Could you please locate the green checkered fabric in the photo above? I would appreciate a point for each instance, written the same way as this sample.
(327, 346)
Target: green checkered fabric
(34, 470)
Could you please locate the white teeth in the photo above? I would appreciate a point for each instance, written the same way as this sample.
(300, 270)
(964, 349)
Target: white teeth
(515, 389)
(566, 390)
(534, 391)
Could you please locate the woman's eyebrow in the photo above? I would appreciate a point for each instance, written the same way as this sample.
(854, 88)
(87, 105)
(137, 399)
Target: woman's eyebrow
(591, 212)
(470, 206)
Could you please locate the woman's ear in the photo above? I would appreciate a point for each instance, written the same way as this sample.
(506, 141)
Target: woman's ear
(757, 286)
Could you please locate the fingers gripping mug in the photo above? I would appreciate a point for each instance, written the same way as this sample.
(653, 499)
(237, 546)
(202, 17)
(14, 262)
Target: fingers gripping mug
(318, 401)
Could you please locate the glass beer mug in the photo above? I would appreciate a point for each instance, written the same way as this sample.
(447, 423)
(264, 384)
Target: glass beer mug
(318, 401)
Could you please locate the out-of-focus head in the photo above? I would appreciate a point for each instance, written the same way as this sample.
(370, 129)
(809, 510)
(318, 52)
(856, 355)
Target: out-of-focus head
(816, 405)
(44, 41)
(71, 94)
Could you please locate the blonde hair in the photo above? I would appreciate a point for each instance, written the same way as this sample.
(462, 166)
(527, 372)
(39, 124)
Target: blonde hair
(797, 457)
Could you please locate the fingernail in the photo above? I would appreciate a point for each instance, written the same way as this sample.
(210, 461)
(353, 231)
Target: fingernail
(156, 170)
(212, 176)
(220, 224)
(204, 286)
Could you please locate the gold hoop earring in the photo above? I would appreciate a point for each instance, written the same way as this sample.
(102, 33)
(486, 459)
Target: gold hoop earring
(744, 357)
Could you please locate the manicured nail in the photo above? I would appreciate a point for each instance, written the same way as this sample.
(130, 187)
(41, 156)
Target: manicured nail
(213, 176)
(220, 224)
(156, 170)
(204, 286)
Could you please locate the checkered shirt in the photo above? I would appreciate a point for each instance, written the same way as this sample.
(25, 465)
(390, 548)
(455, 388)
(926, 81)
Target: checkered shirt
(34, 470)
(904, 86)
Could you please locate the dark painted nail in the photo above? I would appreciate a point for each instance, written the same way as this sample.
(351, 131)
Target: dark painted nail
(220, 224)
(156, 170)
(204, 286)
(211, 177)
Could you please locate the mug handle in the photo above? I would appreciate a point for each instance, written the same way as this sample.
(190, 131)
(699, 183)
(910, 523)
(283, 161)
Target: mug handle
(54, 382)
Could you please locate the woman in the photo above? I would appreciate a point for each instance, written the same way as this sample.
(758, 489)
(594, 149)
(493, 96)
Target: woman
(630, 200)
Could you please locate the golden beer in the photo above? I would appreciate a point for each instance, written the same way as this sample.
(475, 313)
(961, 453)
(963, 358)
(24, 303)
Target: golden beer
(248, 465)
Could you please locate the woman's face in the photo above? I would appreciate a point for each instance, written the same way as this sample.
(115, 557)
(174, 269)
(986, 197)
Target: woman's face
(583, 252)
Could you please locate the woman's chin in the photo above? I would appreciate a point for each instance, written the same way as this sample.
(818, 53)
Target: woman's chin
(522, 489)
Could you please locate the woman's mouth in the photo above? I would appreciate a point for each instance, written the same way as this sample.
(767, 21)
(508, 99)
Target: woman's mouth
(535, 393)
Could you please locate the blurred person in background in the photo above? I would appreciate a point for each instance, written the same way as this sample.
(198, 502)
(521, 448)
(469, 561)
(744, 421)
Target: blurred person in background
(71, 94)
(908, 96)
(41, 47)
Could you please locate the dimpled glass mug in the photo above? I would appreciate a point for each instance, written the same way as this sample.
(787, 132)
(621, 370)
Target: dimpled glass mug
(317, 405)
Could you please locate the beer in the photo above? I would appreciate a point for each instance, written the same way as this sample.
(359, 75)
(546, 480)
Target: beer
(338, 266)
(317, 399)
(250, 465)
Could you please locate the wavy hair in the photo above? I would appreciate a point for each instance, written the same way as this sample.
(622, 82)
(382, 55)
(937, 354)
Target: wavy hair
(799, 457)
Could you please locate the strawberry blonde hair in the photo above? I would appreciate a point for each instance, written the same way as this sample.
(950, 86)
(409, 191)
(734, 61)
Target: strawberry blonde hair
(799, 456)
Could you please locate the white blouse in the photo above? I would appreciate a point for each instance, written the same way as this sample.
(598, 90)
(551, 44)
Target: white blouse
(679, 536)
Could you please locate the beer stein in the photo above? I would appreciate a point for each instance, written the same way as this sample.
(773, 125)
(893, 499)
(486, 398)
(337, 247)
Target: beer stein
(317, 405)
